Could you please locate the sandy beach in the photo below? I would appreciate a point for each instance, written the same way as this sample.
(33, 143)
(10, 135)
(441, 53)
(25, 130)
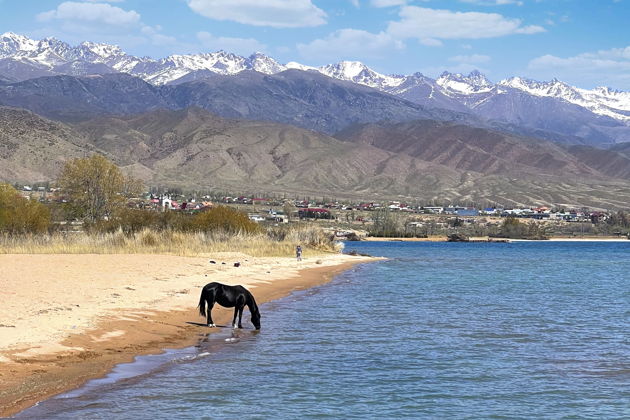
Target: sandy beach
(65, 319)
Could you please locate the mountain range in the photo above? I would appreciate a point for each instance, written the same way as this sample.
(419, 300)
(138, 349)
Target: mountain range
(552, 110)
(250, 124)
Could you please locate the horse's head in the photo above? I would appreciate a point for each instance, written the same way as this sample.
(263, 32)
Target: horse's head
(256, 319)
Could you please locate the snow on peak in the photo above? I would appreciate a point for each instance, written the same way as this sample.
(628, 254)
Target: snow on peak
(218, 62)
(57, 57)
(553, 88)
(478, 79)
(357, 72)
(103, 51)
(601, 101)
(297, 66)
(345, 70)
(11, 44)
(475, 82)
(265, 64)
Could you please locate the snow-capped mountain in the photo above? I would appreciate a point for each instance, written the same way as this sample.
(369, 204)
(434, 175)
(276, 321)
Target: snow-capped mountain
(14, 44)
(601, 100)
(357, 72)
(516, 100)
(474, 83)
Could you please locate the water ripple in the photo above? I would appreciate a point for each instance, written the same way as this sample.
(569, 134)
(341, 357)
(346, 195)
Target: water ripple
(479, 331)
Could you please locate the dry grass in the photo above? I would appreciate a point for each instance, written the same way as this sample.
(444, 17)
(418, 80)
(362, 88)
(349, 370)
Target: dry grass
(170, 242)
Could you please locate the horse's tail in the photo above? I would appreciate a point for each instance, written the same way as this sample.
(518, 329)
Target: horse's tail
(202, 301)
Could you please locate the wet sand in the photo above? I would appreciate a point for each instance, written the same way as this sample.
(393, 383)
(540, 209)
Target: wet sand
(65, 319)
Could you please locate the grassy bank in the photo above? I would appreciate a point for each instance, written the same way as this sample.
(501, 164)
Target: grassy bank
(271, 243)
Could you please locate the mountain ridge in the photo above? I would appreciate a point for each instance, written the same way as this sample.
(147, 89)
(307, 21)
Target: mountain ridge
(196, 149)
(51, 53)
(552, 110)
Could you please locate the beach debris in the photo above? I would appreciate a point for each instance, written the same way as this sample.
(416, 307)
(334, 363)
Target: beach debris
(223, 263)
(212, 262)
(318, 262)
(457, 237)
(237, 264)
(355, 253)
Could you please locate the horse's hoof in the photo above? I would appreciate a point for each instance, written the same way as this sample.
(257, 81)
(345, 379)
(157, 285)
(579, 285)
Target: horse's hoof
(211, 325)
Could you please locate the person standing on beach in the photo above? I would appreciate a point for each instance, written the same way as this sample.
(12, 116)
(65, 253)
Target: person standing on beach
(298, 252)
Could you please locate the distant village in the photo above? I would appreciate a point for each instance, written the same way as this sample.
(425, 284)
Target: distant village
(416, 220)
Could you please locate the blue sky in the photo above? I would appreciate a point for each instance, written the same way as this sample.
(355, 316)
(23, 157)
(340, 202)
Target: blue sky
(585, 43)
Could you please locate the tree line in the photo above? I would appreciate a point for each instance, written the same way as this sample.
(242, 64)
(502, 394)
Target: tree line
(97, 192)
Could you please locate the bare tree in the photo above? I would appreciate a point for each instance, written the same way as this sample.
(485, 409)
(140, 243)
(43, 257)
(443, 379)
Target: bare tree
(96, 186)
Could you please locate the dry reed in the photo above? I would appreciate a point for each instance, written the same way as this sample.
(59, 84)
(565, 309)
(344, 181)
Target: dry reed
(170, 242)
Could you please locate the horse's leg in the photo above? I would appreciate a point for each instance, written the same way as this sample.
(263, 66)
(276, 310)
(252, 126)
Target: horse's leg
(210, 322)
(240, 316)
(238, 309)
(210, 300)
(235, 313)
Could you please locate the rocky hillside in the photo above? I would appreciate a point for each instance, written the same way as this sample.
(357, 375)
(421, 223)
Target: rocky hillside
(468, 148)
(33, 148)
(196, 149)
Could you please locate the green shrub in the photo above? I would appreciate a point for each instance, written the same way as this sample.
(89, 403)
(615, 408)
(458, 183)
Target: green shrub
(20, 215)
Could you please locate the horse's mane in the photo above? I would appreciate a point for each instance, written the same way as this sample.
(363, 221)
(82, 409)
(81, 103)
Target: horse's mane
(251, 302)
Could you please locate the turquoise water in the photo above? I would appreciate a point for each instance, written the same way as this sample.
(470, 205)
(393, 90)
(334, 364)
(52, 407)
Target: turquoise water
(438, 331)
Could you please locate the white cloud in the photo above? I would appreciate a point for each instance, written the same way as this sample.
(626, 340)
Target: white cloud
(104, 1)
(74, 21)
(274, 13)
(470, 59)
(493, 2)
(422, 24)
(96, 13)
(156, 38)
(350, 44)
(431, 42)
(241, 46)
(428, 26)
(388, 3)
(611, 67)
(355, 3)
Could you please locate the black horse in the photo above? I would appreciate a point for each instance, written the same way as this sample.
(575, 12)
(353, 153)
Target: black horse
(231, 297)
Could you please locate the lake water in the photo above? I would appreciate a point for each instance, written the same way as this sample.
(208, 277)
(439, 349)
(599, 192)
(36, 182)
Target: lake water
(440, 330)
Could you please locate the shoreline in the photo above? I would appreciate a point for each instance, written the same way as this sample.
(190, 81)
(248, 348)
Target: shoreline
(497, 240)
(45, 360)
